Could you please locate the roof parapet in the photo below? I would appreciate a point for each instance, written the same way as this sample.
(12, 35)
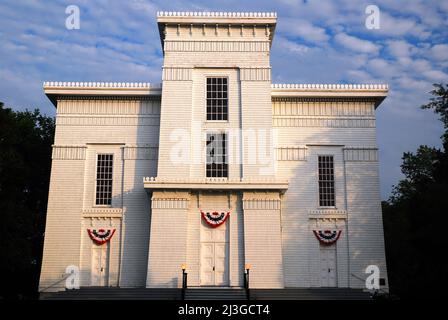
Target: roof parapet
(55, 89)
(305, 86)
(217, 14)
(51, 84)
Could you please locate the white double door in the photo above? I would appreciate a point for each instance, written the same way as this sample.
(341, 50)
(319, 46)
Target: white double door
(100, 265)
(214, 256)
(328, 266)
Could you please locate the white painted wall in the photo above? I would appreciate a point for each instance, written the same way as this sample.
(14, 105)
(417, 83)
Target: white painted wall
(352, 141)
(129, 130)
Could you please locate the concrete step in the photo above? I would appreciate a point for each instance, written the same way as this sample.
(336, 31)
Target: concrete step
(215, 294)
(309, 294)
(105, 293)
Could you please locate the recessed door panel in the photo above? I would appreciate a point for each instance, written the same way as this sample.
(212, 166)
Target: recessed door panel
(328, 266)
(100, 265)
(207, 263)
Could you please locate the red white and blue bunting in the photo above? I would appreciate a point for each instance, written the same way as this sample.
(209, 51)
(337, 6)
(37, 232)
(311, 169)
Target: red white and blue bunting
(215, 219)
(101, 236)
(327, 237)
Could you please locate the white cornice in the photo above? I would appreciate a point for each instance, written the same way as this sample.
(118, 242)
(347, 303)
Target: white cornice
(53, 90)
(223, 18)
(157, 183)
(378, 92)
(218, 14)
(212, 180)
(342, 87)
(97, 85)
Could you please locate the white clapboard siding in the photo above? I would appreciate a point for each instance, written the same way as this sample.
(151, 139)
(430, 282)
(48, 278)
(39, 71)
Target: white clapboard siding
(71, 206)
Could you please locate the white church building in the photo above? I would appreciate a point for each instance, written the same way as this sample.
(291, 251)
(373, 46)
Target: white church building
(216, 170)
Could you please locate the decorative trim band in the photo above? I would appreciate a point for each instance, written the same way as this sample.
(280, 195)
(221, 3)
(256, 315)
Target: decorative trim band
(108, 121)
(140, 153)
(179, 74)
(217, 14)
(103, 216)
(291, 153)
(220, 46)
(327, 214)
(109, 107)
(69, 152)
(103, 210)
(57, 84)
(149, 97)
(306, 86)
(261, 204)
(103, 213)
(324, 212)
(324, 122)
(169, 203)
(360, 154)
(255, 74)
(322, 99)
(211, 180)
(323, 107)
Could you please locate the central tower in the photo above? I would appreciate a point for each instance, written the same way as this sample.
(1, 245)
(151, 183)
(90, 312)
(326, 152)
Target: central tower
(215, 153)
(232, 50)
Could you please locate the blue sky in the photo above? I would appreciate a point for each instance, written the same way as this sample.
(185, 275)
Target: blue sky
(315, 42)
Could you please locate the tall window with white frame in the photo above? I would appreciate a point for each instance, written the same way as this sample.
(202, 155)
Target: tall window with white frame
(217, 98)
(104, 175)
(216, 166)
(326, 181)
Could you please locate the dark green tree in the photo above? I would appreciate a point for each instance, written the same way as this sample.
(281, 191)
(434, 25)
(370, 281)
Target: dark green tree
(25, 160)
(415, 217)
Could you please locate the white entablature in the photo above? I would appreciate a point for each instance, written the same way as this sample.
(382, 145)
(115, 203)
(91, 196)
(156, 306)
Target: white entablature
(375, 91)
(244, 23)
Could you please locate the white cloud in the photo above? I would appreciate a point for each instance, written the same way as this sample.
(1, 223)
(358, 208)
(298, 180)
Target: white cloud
(400, 48)
(421, 65)
(360, 76)
(291, 46)
(443, 5)
(436, 76)
(382, 68)
(394, 26)
(409, 83)
(356, 44)
(312, 10)
(440, 52)
(302, 29)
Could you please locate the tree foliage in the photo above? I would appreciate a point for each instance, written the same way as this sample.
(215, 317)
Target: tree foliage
(25, 160)
(415, 216)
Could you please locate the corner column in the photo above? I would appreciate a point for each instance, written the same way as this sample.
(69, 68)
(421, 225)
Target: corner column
(168, 239)
(262, 239)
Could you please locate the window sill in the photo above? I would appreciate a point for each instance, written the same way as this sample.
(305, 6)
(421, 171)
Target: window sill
(327, 213)
(96, 212)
